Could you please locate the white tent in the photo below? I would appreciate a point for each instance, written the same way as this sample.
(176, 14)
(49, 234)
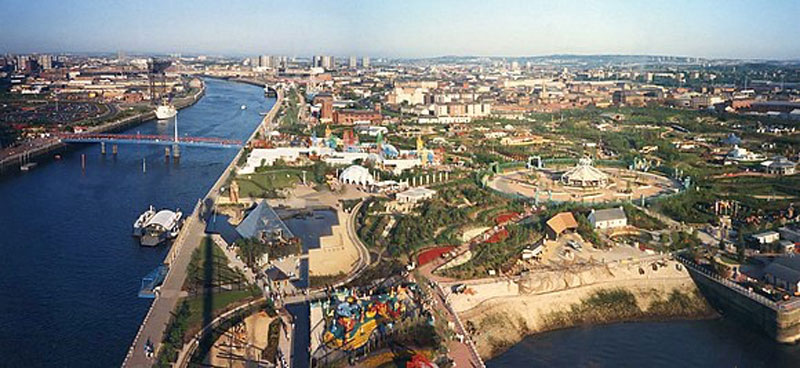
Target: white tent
(356, 175)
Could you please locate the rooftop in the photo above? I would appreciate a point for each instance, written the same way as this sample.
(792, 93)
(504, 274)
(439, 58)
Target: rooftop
(609, 214)
(164, 218)
(260, 219)
(418, 192)
(562, 221)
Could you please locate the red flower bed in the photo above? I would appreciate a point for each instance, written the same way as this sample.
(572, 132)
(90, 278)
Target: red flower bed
(505, 217)
(498, 236)
(429, 255)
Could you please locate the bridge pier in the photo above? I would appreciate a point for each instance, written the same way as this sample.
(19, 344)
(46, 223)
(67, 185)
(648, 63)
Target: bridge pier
(102, 148)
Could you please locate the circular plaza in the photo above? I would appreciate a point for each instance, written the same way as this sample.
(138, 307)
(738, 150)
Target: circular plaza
(583, 182)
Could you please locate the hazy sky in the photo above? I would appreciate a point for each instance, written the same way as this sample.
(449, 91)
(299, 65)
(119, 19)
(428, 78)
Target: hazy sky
(407, 28)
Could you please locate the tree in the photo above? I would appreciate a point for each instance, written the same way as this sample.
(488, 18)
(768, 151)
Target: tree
(320, 169)
(251, 249)
(740, 253)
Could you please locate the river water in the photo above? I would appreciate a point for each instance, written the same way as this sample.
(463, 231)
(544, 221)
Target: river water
(705, 343)
(70, 270)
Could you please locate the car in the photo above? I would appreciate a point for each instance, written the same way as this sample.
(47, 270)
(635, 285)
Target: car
(574, 245)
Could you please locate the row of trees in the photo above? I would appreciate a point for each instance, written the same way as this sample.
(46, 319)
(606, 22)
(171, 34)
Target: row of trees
(173, 336)
(253, 249)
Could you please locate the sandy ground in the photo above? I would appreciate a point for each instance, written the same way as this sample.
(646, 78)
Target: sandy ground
(506, 311)
(336, 253)
(253, 333)
(568, 277)
(471, 233)
(317, 326)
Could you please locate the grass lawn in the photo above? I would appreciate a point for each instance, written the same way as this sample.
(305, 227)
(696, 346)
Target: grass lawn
(217, 302)
(728, 260)
(760, 186)
(209, 268)
(253, 185)
(642, 220)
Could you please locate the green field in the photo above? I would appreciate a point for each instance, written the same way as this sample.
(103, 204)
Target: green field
(209, 268)
(214, 303)
(264, 184)
(785, 186)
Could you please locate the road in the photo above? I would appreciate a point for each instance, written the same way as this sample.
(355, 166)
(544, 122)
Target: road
(364, 258)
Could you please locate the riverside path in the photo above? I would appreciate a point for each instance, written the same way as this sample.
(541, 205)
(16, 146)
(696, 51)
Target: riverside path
(155, 322)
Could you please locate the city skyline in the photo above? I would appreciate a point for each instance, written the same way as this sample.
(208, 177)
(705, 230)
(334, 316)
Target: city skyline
(737, 30)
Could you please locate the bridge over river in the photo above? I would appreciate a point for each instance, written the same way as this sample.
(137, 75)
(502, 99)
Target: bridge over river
(175, 141)
(162, 140)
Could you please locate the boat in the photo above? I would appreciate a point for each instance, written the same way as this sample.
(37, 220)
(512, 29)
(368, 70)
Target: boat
(158, 227)
(139, 224)
(165, 111)
(244, 107)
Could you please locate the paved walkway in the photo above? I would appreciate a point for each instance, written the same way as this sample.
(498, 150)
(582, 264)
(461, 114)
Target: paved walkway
(462, 351)
(160, 312)
(235, 261)
(285, 342)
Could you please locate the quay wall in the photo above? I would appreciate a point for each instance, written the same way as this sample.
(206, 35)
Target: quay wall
(779, 321)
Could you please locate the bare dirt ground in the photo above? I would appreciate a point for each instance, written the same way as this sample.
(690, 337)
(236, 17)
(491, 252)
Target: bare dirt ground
(245, 341)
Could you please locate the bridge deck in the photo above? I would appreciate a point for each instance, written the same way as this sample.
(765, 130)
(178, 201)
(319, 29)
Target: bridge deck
(163, 140)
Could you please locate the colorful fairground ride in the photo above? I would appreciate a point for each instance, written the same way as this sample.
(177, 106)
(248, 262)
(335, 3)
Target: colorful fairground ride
(351, 319)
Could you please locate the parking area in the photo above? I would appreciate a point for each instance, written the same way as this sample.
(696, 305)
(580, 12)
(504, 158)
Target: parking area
(572, 248)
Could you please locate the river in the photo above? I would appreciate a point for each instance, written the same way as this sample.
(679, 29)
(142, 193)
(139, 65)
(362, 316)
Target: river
(704, 343)
(70, 270)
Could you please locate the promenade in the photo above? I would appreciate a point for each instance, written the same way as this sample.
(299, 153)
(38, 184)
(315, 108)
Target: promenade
(157, 318)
